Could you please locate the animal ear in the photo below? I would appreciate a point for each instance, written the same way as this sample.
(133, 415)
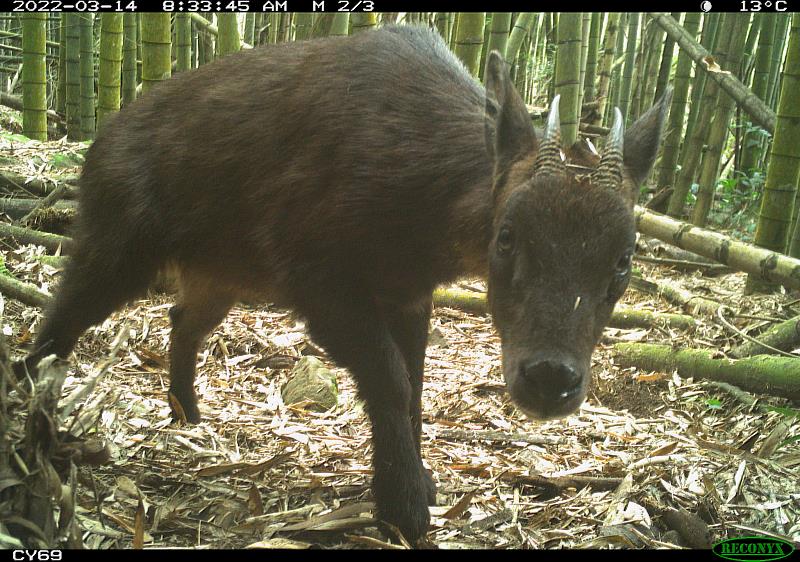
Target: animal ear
(509, 131)
(643, 138)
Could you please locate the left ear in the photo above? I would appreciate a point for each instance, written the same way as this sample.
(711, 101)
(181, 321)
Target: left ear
(509, 131)
(643, 138)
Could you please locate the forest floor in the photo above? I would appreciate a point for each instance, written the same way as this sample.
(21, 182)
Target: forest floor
(259, 473)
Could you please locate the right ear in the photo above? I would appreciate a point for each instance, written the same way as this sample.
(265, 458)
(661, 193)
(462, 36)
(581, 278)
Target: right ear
(509, 131)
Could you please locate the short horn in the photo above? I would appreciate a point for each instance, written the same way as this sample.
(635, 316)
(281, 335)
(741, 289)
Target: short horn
(548, 160)
(609, 170)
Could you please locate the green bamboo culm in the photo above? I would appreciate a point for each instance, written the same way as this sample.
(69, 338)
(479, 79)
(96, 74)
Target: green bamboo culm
(751, 143)
(139, 51)
(321, 28)
(484, 51)
(443, 23)
(469, 39)
(783, 172)
(363, 21)
(522, 66)
(183, 41)
(649, 77)
(521, 29)
(73, 75)
(567, 75)
(498, 34)
(61, 88)
(340, 25)
(616, 72)
(777, 58)
(129, 58)
(718, 131)
(109, 81)
(591, 56)
(551, 89)
(586, 23)
(196, 45)
(275, 24)
(677, 114)
(303, 23)
(205, 43)
(156, 49)
(87, 76)
(249, 28)
(284, 31)
(34, 75)
(749, 47)
(692, 150)
(666, 59)
(604, 73)
(630, 59)
(708, 39)
(228, 38)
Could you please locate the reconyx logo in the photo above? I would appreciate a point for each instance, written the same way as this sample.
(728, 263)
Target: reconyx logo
(751, 549)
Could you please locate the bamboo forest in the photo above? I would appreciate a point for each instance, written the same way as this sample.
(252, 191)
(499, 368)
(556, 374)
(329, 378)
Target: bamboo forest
(398, 280)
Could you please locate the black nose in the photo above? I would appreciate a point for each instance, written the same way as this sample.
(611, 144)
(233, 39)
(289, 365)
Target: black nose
(554, 380)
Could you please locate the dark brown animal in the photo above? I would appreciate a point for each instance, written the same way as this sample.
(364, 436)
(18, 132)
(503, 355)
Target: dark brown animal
(346, 178)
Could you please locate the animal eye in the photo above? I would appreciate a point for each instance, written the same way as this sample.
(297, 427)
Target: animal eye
(505, 240)
(624, 265)
(620, 280)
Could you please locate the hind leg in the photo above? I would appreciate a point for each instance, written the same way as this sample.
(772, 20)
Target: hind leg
(93, 286)
(201, 307)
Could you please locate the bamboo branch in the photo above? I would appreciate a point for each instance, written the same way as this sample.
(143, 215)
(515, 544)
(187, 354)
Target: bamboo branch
(784, 336)
(17, 208)
(16, 103)
(763, 374)
(764, 264)
(624, 318)
(23, 292)
(752, 104)
(14, 181)
(27, 236)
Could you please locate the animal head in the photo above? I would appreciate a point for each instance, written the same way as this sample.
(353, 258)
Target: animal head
(563, 235)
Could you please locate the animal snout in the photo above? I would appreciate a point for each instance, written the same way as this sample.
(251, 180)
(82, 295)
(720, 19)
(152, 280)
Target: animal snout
(553, 380)
(547, 387)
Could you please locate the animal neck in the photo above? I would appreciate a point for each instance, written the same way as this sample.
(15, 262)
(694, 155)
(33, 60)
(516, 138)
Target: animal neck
(472, 220)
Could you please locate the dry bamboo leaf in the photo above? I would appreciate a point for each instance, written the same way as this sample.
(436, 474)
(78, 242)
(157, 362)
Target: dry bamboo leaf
(340, 525)
(128, 487)
(323, 522)
(254, 503)
(220, 469)
(279, 543)
(665, 449)
(774, 439)
(738, 478)
(375, 543)
(177, 408)
(712, 65)
(138, 532)
(460, 506)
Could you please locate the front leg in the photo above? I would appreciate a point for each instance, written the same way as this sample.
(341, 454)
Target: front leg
(357, 336)
(409, 328)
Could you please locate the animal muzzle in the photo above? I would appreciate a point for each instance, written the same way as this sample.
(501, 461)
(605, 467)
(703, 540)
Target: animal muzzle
(548, 387)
